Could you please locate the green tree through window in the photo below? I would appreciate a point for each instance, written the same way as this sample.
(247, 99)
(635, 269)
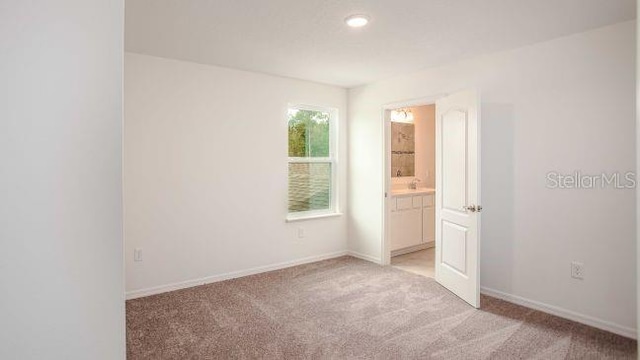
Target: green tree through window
(308, 133)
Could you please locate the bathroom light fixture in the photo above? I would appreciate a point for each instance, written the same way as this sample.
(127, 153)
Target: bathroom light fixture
(402, 115)
(357, 20)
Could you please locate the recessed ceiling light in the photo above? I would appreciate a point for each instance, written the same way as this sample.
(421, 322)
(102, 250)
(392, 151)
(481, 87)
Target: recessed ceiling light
(357, 20)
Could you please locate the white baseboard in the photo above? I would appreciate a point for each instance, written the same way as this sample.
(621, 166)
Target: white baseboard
(563, 313)
(369, 258)
(134, 294)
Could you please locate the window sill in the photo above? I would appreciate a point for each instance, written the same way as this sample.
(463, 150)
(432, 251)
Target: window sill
(295, 218)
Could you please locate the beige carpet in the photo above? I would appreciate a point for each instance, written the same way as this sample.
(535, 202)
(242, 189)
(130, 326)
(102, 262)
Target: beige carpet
(347, 308)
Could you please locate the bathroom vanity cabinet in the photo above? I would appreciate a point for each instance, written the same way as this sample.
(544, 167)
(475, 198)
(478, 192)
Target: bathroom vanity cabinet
(412, 220)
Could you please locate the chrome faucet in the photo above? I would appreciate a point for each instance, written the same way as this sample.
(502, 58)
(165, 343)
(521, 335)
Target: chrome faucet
(398, 173)
(414, 184)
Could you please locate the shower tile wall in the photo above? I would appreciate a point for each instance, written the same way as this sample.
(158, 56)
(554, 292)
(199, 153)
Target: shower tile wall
(402, 149)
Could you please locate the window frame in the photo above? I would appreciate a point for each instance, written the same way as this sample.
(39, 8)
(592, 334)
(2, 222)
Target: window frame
(333, 209)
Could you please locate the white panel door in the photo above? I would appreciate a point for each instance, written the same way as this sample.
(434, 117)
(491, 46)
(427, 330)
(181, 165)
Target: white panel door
(457, 195)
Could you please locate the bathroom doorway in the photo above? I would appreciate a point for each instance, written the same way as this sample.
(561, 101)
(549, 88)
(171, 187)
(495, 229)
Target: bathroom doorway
(432, 190)
(412, 218)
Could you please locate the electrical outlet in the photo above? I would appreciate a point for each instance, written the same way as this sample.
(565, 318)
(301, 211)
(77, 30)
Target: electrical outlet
(300, 233)
(577, 270)
(137, 254)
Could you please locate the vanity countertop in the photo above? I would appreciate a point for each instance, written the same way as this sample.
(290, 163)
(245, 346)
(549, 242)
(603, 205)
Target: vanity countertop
(418, 191)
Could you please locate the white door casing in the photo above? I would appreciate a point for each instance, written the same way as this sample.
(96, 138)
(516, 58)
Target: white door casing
(457, 195)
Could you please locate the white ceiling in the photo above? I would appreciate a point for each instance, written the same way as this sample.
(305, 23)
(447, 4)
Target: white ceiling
(307, 39)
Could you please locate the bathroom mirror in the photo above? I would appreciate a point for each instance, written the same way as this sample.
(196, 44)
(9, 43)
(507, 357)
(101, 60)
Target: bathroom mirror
(403, 153)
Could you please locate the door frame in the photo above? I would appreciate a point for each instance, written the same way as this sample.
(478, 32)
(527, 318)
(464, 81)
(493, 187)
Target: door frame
(385, 248)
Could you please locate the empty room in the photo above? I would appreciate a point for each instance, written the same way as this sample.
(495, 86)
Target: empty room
(313, 179)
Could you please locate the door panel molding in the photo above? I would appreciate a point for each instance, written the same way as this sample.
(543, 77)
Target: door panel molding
(454, 247)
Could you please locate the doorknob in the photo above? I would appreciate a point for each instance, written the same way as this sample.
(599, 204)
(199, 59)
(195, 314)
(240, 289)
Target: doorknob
(472, 208)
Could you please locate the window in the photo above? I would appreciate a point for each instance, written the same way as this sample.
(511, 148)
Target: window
(312, 162)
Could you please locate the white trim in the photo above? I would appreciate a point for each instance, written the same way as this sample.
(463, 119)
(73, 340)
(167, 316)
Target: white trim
(365, 257)
(310, 160)
(134, 294)
(563, 313)
(333, 158)
(385, 246)
(309, 216)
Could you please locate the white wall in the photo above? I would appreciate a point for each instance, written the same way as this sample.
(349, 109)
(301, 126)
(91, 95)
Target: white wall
(425, 120)
(61, 267)
(638, 161)
(205, 175)
(561, 105)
